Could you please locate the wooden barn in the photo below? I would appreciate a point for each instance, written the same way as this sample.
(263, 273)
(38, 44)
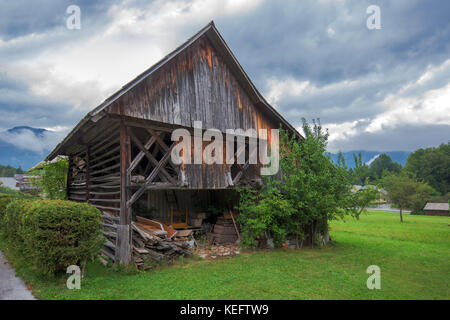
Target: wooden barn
(119, 153)
(436, 209)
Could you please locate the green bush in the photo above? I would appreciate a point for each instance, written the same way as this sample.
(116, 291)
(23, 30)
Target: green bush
(54, 234)
(4, 200)
(13, 223)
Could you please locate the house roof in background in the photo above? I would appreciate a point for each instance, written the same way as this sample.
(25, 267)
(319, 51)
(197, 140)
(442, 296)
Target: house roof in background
(9, 182)
(436, 206)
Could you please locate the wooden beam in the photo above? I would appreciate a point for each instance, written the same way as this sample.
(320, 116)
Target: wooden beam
(141, 154)
(240, 173)
(164, 174)
(69, 177)
(123, 244)
(150, 178)
(88, 152)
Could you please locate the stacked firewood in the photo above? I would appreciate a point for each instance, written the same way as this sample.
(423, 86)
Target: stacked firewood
(149, 246)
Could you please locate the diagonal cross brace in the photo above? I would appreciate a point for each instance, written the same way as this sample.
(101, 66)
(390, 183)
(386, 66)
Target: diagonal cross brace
(240, 173)
(151, 177)
(164, 174)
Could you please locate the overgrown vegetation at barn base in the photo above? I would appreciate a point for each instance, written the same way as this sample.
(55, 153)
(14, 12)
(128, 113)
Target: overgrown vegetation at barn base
(51, 178)
(53, 234)
(311, 192)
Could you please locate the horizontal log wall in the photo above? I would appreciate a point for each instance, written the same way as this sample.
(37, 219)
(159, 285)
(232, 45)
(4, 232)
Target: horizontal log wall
(98, 182)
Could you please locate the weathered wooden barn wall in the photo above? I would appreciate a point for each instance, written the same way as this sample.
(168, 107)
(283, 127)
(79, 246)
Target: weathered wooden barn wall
(93, 173)
(160, 203)
(437, 213)
(196, 85)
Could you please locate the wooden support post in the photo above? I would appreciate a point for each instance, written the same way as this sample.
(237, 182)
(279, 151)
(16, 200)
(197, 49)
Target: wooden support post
(69, 177)
(123, 244)
(88, 173)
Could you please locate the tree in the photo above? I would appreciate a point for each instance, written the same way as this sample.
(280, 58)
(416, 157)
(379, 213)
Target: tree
(8, 171)
(311, 192)
(361, 171)
(360, 200)
(431, 165)
(382, 164)
(407, 192)
(52, 178)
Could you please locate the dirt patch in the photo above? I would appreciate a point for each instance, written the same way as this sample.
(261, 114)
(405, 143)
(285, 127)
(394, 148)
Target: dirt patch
(217, 251)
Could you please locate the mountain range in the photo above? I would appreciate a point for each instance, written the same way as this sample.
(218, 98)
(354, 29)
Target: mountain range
(368, 156)
(14, 152)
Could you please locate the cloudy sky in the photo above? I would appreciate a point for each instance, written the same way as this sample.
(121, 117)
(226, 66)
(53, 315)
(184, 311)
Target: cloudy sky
(384, 89)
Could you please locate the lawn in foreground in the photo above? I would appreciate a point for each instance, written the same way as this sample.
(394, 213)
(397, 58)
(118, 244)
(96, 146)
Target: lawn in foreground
(414, 258)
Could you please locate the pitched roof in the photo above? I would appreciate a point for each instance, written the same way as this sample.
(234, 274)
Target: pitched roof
(436, 206)
(219, 43)
(9, 182)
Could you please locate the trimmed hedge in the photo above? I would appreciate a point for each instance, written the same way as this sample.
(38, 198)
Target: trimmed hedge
(5, 199)
(54, 234)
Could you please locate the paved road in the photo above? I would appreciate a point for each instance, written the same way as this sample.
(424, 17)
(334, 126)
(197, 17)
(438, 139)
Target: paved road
(387, 207)
(11, 287)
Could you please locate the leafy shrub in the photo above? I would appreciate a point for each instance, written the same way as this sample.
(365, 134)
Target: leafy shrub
(4, 200)
(13, 223)
(52, 178)
(54, 234)
(310, 193)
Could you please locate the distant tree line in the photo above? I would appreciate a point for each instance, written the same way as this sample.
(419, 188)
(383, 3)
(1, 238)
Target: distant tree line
(8, 171)
(425, 176)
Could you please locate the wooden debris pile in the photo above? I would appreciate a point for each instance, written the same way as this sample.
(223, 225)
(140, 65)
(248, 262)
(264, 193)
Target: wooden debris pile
(220, 251)
(150, 245)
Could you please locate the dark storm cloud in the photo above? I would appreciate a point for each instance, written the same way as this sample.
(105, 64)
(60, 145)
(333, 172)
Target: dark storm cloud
(19, 106)
(290, 38)
(23, 17)
(400, 138)
(348, 71)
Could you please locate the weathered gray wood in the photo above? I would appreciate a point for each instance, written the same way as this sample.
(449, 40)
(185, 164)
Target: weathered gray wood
(123, 252)
(150, 178)
(106, 208)
(123, 244)
(165, 176)
(141, 155)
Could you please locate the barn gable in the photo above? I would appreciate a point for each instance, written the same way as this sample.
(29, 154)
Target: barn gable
(199, 81)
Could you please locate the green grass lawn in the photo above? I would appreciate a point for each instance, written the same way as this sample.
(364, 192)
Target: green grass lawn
(414, 258)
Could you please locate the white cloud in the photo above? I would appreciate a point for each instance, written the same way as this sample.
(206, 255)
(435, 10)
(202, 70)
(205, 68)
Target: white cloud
(83, 71)
(423, 101)
(372, 159)
(27, 140)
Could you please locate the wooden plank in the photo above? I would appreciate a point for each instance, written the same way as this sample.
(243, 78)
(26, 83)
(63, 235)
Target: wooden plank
(105, 200)
(123, 244)
(114, 166)
(240, 173)
(104, 161)
(141, 154)
(88, 151)
(150, 178)
(105, 208)
(165, 176)
(110, 152)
